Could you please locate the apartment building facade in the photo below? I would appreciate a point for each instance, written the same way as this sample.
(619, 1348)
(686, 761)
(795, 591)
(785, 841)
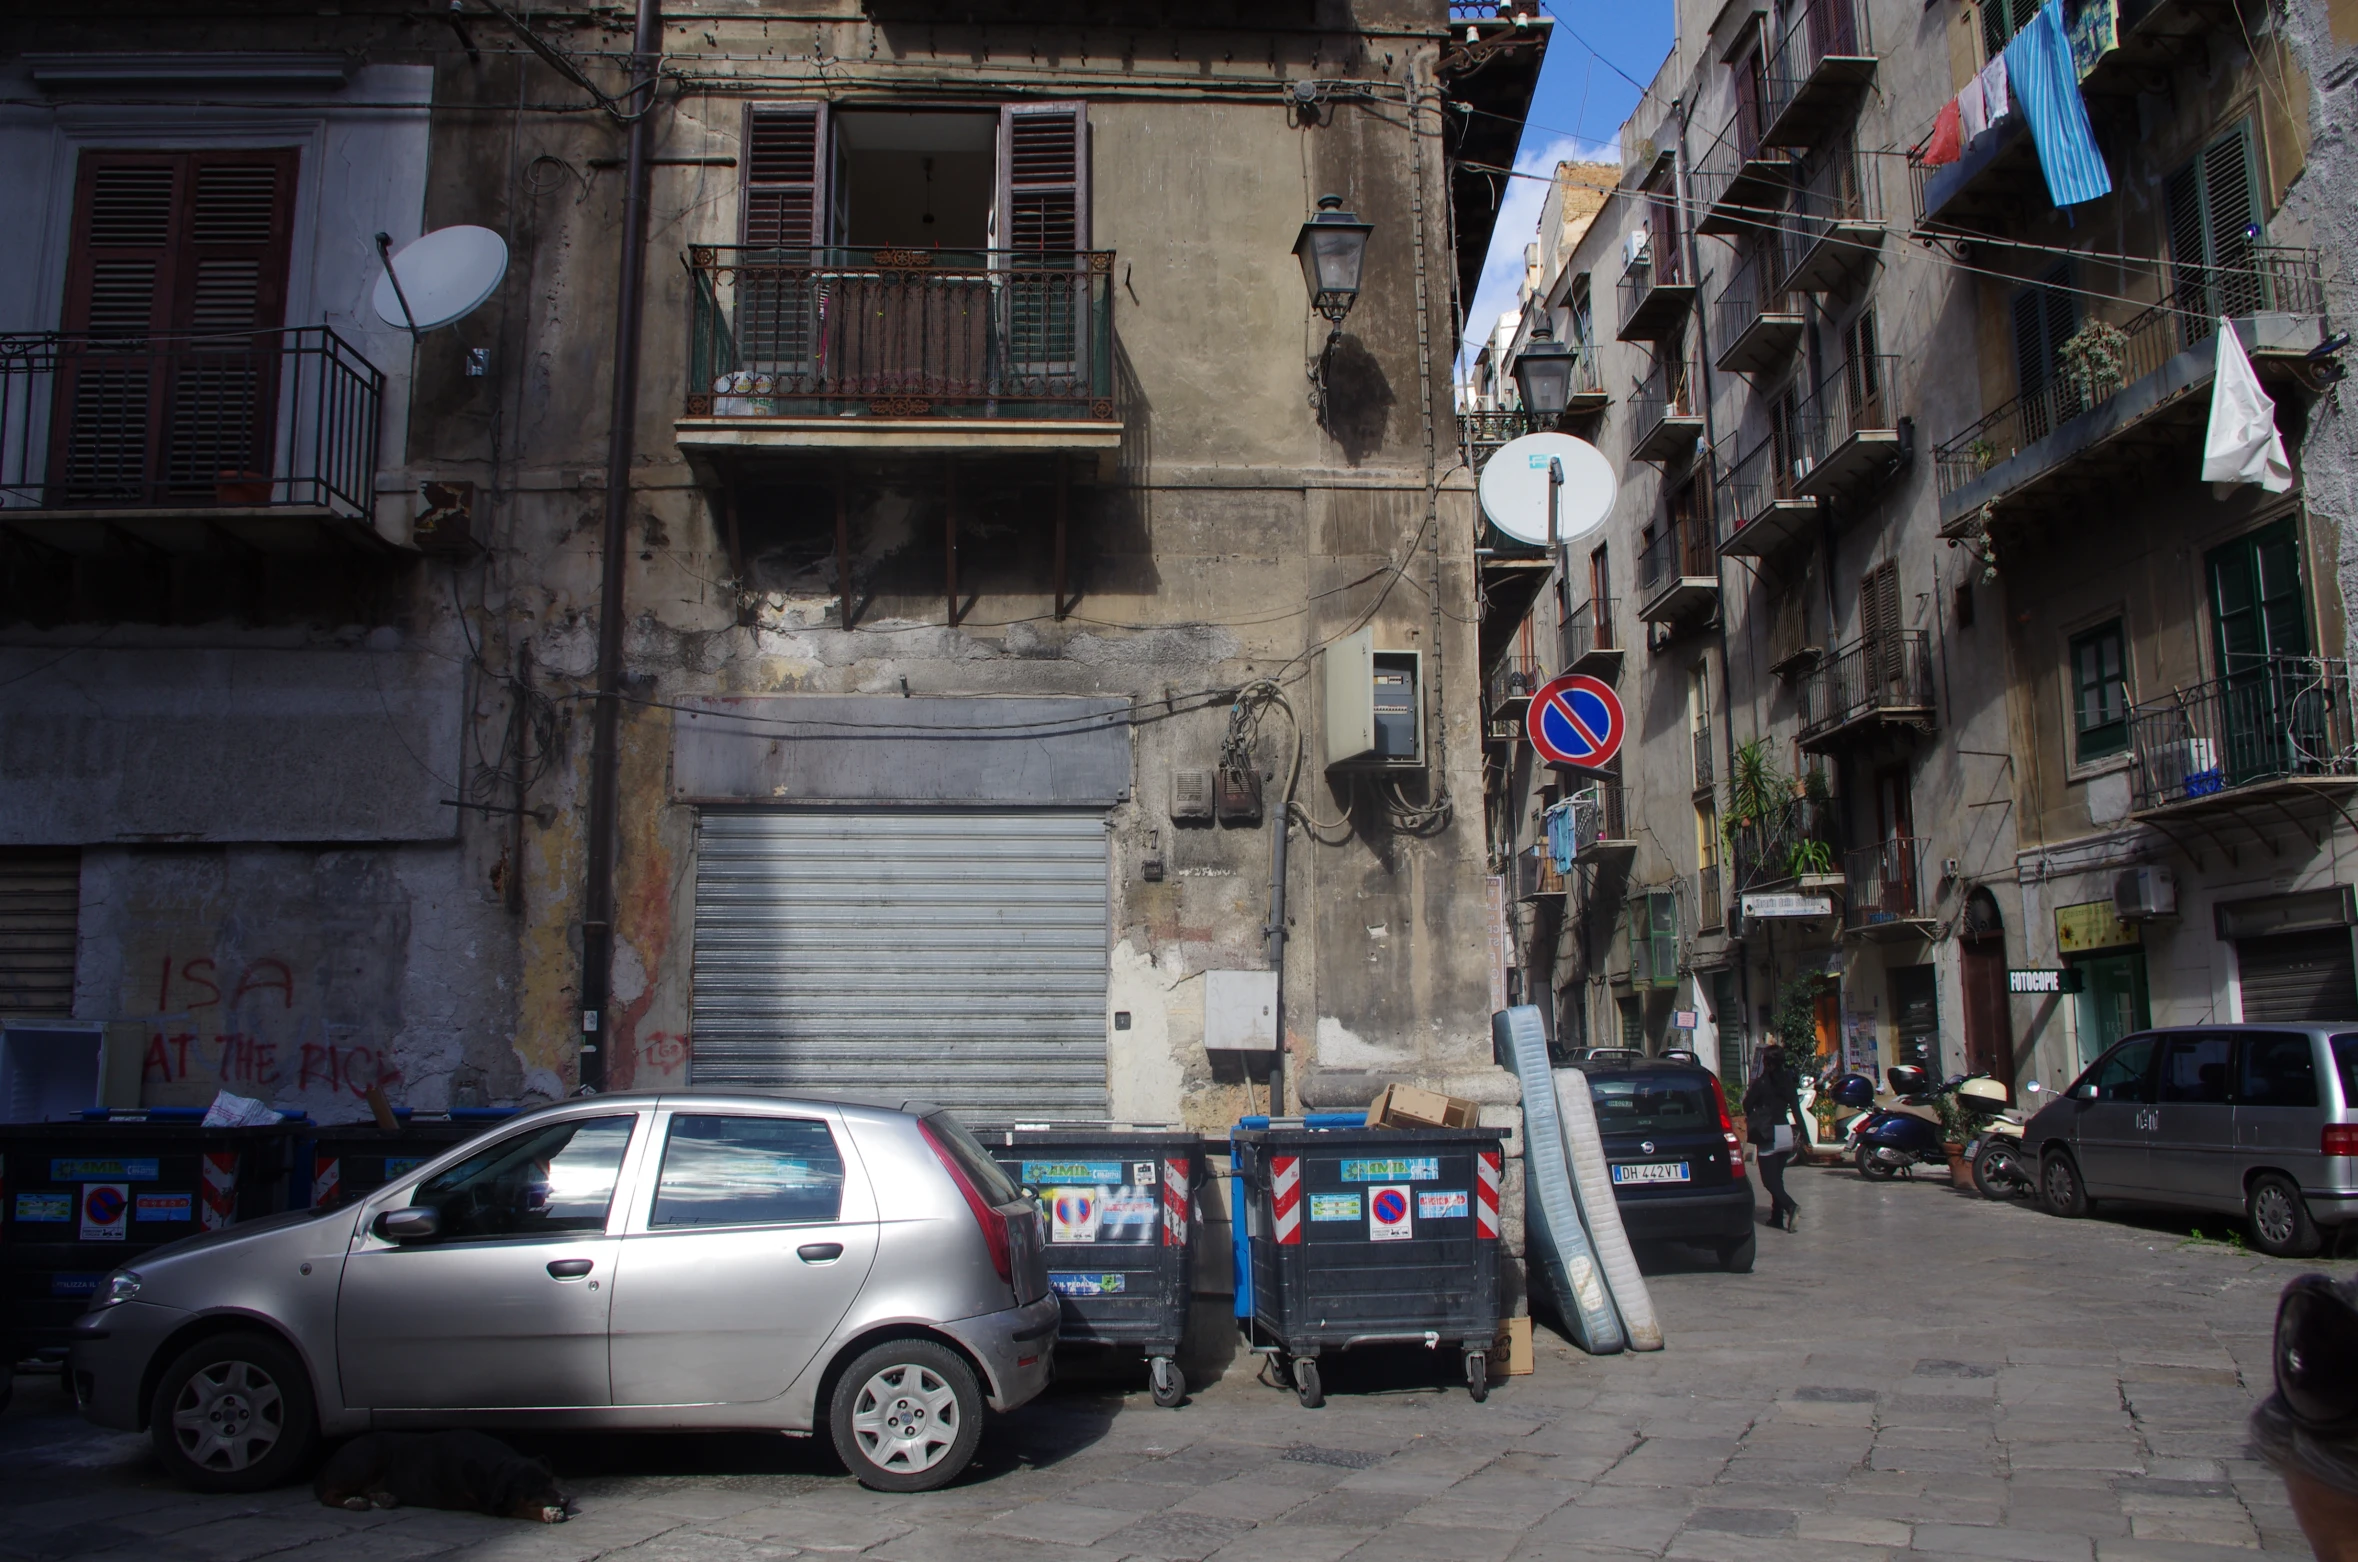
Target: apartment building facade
(997, 494)
(1932, 639)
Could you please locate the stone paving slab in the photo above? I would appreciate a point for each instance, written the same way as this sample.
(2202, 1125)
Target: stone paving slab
(2012, 1388)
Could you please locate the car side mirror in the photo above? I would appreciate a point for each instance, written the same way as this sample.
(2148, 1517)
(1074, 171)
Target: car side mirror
(415, 1224)
(2034, 1087)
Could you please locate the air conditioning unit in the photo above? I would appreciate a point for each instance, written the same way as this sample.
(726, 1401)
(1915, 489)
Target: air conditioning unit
(1636, 245)
(2142, 893)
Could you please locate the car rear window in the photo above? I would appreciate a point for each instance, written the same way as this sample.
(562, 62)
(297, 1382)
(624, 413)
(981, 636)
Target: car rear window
(2345, 1063)
(1652, 1103)
(991, 1182)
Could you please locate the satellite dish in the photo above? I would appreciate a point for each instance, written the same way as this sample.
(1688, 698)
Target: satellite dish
(444, 276)
(1515, 482)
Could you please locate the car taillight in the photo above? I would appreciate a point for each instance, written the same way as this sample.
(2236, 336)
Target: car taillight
(1727, 1129)
(2340, 1139)
(994, 1224)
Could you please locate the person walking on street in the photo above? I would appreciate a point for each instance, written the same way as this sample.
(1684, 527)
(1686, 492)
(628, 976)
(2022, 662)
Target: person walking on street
(1773, 1122)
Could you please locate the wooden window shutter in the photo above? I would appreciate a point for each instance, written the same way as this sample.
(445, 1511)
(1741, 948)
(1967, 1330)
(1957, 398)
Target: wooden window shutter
(2232, 201)
(1879, 619)
(1043, 203)
(785, 175)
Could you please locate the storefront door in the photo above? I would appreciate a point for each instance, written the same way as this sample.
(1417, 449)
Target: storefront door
(2112, 1001)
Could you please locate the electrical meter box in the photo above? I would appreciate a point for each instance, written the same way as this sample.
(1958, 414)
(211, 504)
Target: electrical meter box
(1374, 705)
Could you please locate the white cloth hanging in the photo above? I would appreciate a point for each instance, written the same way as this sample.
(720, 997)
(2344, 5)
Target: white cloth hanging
(2242, 445)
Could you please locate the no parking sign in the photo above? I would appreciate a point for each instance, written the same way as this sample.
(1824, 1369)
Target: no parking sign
(1387, 1214)
(1576, 720)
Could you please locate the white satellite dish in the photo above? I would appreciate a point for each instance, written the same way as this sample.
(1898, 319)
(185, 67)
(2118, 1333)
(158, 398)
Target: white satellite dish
(1515, 482)
(444, 276)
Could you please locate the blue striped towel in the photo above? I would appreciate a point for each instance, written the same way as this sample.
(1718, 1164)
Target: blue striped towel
(2047, 87)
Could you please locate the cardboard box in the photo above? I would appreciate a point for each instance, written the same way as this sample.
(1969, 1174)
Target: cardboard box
(1512, 1358)
(1409, 1106)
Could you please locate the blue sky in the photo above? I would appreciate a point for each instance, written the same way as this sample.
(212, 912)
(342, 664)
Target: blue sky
(1576, 113)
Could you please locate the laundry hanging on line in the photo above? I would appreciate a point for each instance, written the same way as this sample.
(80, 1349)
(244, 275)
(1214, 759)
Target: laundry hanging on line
(2046, 83)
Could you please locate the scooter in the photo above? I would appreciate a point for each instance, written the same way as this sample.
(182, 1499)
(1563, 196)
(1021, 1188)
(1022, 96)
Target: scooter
(2000, 1169)
(1889, 1140)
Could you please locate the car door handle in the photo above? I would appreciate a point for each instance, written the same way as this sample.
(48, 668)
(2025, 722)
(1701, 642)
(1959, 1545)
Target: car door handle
(819, 1252)
(569, 1268)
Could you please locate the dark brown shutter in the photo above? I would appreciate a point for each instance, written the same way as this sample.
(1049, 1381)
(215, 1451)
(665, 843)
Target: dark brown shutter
(1879, 620)
(785, 174)
(40, 907)
(1044, 177)
(170, 244)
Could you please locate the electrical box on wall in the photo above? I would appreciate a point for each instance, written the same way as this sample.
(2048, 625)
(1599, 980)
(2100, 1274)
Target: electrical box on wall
(1374, 705)
(1240, 1011)
(1191, 794)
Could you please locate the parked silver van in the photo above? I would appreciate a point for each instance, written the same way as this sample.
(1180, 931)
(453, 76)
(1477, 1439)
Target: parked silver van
(627, 1262)
(2257, 1120)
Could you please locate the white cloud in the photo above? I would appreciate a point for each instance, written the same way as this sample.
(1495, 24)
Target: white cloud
(1519, 208)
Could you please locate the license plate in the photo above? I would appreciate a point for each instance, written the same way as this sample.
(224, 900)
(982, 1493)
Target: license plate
(1655, 1171)
(1972, 1148)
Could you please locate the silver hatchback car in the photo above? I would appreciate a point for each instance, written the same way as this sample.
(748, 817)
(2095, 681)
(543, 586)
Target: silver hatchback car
(2255, 1120)
(674, 1261)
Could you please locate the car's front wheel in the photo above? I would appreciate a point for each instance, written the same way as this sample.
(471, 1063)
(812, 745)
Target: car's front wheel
(2060, 1187)
(234, 1413)
(906, 1416)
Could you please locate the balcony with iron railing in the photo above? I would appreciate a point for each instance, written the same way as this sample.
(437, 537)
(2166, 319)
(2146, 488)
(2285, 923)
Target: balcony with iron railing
(1882, 897)
(2133, 396)
(1739, 182)
(1757, 320)
(2276, 738)
(1666, 412)
(845, 348)
(1655, 292)
(1512, 683)
(1592, 825)
(1850, 429)
(1786, 847)
(1537, 877)
(1590, 644)
(1821, 63)
(1482, 433)
(1761, 507)
(1678, 573)
(1868, 686)
(1836, 224)
(177, 439)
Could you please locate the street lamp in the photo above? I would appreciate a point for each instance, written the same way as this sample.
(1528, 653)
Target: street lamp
(1543, 373)
(1331, 247)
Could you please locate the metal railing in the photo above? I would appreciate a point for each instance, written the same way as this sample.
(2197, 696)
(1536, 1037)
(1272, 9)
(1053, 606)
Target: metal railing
(1486, 431)
(1588, 629)
(1536, 875)
(1823, 30)
(1649, 271)
(900, 333)
(1892, 673)
(1839, 188)
(1514, 678)
(1765, 852)
(1723, 162)
(1667, 390)
(1764, 475)
(2272, 280)
(1702, 746)
(1682, 549)
(1597, 811)
(245, 419)
(1710, 911)
(1756, 287)
(1881, 882)
(2273, 719)
(1859, 397)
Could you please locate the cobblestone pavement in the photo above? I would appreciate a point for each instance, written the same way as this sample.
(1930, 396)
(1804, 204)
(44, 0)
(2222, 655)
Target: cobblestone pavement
(1916, 1373)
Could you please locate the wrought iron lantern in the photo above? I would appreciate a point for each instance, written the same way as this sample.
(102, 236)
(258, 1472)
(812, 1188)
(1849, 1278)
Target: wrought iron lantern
(1543, 373)
(1332, 247)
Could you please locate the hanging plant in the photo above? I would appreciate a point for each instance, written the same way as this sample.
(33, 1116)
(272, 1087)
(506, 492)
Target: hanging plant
(2094, 361)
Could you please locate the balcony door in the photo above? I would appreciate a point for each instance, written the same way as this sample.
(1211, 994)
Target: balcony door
(1895, 839)
(2213, 208)
(2270, 715)
(167, 377)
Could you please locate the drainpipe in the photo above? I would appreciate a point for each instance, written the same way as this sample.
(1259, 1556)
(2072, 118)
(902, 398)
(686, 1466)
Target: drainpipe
(597, 919)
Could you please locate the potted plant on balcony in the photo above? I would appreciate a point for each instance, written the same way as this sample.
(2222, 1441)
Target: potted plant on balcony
(2094, 361)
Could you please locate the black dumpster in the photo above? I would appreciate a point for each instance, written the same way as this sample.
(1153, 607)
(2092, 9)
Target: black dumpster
(1118, 1207)
(1371, 1236)
(353, 1160)
(85, 1198)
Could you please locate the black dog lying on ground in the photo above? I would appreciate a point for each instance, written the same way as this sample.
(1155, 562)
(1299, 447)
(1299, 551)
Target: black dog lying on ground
(466, 1471)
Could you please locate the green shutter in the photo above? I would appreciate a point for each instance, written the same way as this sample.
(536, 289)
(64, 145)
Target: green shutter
(2212, 206)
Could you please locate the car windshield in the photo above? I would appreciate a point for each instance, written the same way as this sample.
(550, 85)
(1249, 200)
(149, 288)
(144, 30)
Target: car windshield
(973, 1159)
(1652, 1103)
(2345, 1063)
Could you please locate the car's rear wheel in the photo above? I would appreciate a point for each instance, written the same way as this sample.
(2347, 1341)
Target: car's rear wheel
(2060, 1188)
(1736, 1257)
(234, 1414)
(2280, 1221)
(906, 1416)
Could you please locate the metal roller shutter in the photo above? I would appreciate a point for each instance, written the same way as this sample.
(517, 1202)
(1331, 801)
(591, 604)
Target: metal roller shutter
(2290, 977)
(40, 905)
(960, 957)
